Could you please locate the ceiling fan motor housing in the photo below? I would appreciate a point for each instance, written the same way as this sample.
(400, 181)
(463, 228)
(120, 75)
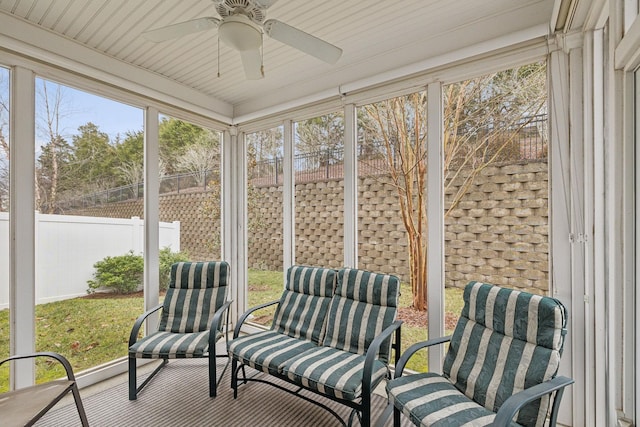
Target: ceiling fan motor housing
(248, 8)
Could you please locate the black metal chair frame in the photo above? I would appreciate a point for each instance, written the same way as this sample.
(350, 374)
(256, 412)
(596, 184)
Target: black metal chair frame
(64, 387)
(215, 325)
(362, 410)
(504, 417)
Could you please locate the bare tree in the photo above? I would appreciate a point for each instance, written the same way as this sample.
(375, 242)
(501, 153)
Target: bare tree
(201, 158)
(401, 124)
(4, 139)
(133, 174)
(483, 118)
(53, 108)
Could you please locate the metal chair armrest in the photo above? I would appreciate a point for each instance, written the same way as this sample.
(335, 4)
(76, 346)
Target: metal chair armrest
(514, 403)
(138, 323)
(60, 358)
(215, 322)
(372, 351)
(247, 313)
(414, 348)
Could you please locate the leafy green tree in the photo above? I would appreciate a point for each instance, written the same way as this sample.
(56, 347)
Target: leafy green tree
(94, 159)
(52, 174)
(320, 133)
(175, 136)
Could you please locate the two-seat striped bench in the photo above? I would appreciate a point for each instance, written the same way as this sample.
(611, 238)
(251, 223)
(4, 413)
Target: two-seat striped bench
(500, 368)
(331, 334)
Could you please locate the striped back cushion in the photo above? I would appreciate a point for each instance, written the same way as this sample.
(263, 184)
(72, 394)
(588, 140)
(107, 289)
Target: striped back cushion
(505, 341)
(303, 306)
(363, 305)
(196, 291)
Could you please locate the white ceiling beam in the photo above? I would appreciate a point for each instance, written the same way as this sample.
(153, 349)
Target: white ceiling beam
(400, 73)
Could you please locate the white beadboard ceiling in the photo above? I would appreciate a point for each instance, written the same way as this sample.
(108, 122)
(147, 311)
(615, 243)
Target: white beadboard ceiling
(377, 37)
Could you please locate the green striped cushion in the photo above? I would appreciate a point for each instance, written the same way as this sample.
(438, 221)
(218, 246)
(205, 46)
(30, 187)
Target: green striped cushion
(363, 305)
(196, 291)
(504, 342)
(171, 345)
(304, 302)
(332, 372)
(430, 399)
(267, 351)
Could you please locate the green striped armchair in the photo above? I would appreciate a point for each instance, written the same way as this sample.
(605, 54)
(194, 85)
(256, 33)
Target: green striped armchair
(500, 368)
(194, 315)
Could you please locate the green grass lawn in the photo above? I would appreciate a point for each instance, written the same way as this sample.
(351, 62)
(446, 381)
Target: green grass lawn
(90, 331)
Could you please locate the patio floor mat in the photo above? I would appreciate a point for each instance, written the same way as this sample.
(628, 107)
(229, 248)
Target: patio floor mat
(179, 396)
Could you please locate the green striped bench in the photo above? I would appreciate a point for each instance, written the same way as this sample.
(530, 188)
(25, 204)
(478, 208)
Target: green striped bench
(332, 334)
(500, 368)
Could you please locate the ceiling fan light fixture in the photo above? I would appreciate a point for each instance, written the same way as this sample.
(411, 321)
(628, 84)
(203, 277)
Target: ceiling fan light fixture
(240, 33)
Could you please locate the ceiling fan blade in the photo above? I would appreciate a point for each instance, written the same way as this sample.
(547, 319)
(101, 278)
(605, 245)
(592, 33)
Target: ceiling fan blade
(265, 4)
(181, 29)
(252, 62)
(302, 41)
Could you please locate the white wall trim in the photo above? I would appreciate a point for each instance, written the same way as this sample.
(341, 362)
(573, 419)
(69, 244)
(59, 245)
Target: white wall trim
(627, 54)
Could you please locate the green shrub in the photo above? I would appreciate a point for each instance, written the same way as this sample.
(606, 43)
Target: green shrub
(122, 274)
(167, 259)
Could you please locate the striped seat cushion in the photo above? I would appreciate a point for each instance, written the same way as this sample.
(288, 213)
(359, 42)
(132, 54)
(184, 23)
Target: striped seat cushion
(196, 291)
(172, 345)
(430, 399)
(364, 304)
(267, 351)
(505, 341)
(332, 372)
(304, 302)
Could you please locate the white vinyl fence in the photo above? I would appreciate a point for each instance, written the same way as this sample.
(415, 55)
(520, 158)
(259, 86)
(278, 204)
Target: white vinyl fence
(68, 246)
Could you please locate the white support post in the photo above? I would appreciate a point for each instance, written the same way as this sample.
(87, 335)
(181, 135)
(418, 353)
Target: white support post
(580, 177)
(151, 214)
(600, 229)
(571, 290)
(22, 225)
(350, 186)
(435, 221)
(234, 216)
(288, 198)
(636, 348)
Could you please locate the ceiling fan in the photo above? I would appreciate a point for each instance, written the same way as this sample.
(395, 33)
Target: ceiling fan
(242, 26)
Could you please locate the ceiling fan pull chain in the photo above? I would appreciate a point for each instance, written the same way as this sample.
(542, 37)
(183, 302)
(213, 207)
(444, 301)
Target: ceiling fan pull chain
(262, 54)
(218, 59)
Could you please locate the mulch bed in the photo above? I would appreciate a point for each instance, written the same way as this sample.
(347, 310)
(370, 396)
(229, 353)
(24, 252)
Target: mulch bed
(416, 318)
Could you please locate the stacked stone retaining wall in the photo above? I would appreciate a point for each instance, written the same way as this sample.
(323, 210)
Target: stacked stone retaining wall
(498, 232)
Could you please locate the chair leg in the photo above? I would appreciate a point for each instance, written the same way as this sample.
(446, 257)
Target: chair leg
(366, 411)
(213, 386)
(132, 379)
(234, 378)
(396, 417)
(79, 406)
